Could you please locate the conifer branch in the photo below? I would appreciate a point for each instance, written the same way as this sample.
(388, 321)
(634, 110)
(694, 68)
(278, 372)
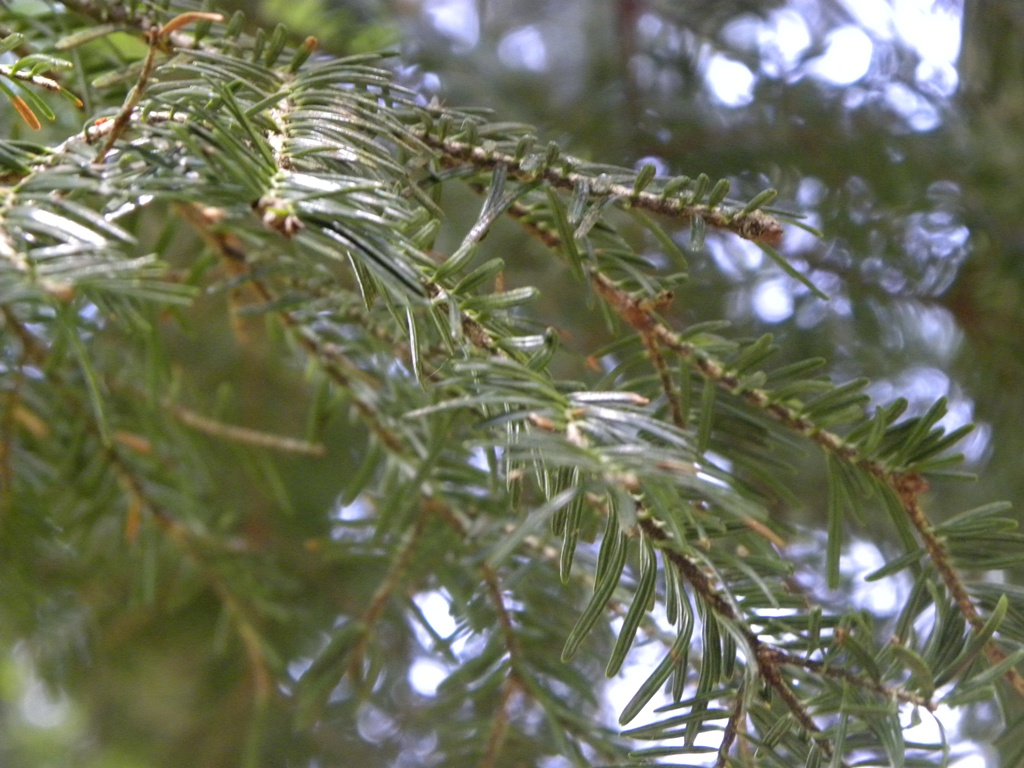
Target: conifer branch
(755, 225)
(24, 76)
(407, 548)
(176, 532)
(640, 313)
(511, 685)
(732, 729)
(333, 361)
(244, 435)
(518, 680)
(908, 488)
(765, 658)
(906, 485)
(298, 169)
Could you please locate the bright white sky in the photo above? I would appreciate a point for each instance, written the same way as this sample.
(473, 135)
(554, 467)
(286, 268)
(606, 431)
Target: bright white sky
(930, 28)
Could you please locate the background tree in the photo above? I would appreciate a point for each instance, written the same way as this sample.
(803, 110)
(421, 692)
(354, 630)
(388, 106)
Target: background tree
(298, 468)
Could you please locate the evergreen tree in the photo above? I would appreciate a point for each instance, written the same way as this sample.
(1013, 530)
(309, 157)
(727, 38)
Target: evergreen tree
(272, 451)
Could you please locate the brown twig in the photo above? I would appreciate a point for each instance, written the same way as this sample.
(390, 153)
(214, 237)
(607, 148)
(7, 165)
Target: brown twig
(764, 654)
(157, 38)
(732, 729)
(667, 385)
(512, 685)
(120, 122)
(245, 435)
(382, 596)
(908, 486)
(756, 226)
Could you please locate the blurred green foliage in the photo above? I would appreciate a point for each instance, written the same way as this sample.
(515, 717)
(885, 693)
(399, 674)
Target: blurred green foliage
(912, 172)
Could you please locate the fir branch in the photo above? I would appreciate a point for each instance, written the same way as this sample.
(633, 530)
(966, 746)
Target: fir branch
(732, 728)
(764, 654)
(906, 485)
(908, 488)
(626, 452)
(333, 360)
(187, 541)
(244, 435)
(640, 313)
(512, 684)
(406, 551)
(42, 81)
(755, 225)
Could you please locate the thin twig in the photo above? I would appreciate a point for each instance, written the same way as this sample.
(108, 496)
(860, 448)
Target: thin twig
(908, 488)
(25, 76)
(667, 385)
(765, 658)
(375, 609)
(245, 435)
(511, 685)
(756, 226)
(131, 101)
(732, 729)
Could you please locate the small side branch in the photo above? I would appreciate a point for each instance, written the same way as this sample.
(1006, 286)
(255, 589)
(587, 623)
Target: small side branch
(667, 385)
(756, 225)
(860, 681)
(908, 488)
(732, 729)
(245, 435)
(375, 610)
(331, 359)
(157, 39)
(768, 666)
(512, 685)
